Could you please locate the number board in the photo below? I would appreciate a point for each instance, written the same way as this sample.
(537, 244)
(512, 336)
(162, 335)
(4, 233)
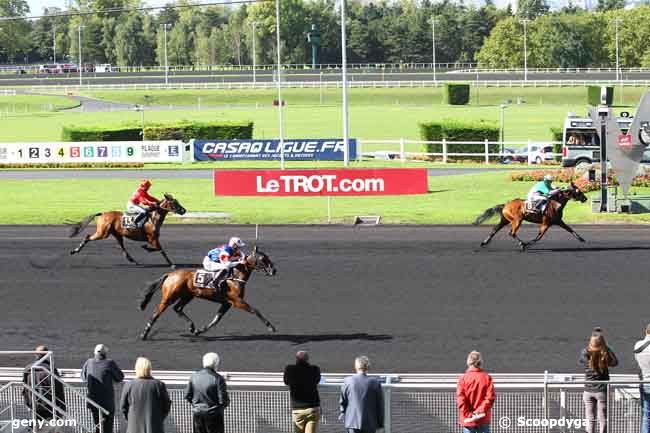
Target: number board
(60, 152)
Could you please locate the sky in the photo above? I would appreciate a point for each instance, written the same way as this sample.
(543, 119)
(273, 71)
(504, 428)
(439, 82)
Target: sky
(36, 6)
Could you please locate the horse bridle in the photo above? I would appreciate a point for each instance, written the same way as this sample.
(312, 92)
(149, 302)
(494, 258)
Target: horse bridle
(266, 269)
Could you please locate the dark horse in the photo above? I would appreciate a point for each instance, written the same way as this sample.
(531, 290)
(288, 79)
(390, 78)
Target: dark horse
(110, 223)
(178, 287)
(514, 213)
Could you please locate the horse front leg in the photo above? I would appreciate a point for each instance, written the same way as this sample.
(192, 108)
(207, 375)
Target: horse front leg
(243, 305)
(155, 246)
(570, 230)
(217, 318)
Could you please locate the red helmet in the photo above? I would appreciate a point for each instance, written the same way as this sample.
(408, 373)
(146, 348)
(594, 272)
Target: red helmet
(145, 184)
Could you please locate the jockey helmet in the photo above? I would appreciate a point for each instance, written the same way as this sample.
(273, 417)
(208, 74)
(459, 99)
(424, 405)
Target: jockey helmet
(548, 178)
(145, 184)
(236, 242)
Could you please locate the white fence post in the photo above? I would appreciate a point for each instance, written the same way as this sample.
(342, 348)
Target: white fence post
(444, 151)
(387, 388)
(402, 156)
(487, 151)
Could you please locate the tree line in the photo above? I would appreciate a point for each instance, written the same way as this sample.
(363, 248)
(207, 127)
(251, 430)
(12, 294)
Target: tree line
(383, 32)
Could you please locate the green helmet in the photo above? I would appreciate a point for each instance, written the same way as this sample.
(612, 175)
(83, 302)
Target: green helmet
(548, 178)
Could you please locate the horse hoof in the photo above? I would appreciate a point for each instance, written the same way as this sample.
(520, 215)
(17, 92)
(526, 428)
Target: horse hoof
(172, 266)
(73, 252)
(143, 336)
(271, 328)
(192, 330)
(483, 244)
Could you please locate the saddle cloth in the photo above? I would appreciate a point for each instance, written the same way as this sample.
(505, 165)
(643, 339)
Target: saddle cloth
(128, 221)
(203, 278)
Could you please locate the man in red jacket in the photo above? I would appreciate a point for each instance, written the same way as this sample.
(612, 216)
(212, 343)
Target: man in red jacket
(141, 203)
(475, 397)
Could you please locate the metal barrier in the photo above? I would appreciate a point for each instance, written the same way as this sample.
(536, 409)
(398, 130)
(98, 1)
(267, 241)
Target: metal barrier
(415, 403)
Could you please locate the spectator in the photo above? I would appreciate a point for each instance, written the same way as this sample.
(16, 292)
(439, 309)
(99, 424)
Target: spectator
(145, 402)
(208, 396)
(43, 386)
(642, 356)
(597, 357)
(362, 402)
(100, 374)
(303, 378)
(475, 396)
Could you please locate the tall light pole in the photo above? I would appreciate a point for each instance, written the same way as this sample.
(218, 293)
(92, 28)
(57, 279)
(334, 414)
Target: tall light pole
(166, 64)
(54, 42)
(525, 23)
(279, 81)
(433, 38)
(618, 69)
(344, 78)
(254, 24)
(80, 64)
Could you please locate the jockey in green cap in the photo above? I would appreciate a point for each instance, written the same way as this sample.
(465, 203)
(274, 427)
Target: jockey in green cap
(540, 192)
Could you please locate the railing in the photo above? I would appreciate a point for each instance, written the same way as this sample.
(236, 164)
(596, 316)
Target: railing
(318, 84)
(414, 403)
(46, 410)
(403, 150)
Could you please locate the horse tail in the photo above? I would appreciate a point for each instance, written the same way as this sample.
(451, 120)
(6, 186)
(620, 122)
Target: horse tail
(149, 290)
(489, 213)
(77, 228)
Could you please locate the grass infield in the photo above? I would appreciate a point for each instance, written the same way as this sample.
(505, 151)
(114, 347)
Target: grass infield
(451, 200)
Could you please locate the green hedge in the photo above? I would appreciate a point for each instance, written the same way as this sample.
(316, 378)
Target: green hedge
(456, 94)
(195, 130)
(184, 130)
(593, 95)
(454, 130)
(127, 132)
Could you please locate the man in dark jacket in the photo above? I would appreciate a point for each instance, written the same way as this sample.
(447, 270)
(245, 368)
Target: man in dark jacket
(303, 379)
(43, 386)
(100, 375)
(208, 396)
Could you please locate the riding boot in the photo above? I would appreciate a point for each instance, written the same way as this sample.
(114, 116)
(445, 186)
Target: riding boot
(141, 219)
(215, 281)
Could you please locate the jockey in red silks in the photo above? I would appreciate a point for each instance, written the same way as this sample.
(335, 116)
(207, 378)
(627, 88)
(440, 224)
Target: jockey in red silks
(141, 202)
(224, 258)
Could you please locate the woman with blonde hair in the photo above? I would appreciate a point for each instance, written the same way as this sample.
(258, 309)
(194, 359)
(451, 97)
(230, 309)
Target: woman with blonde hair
(597, 357)
(145, 402)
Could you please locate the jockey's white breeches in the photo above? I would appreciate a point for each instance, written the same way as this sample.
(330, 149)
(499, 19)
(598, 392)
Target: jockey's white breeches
(209, 265)
(134, 208)
(534, 197)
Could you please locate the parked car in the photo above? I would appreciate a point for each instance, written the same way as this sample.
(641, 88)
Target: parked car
(49, 69)
(538, 154)
(69, 68)
(88, 67)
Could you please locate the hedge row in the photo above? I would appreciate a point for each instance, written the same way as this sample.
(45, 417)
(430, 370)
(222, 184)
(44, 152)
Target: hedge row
(456, 94)
(184, 130)
(454, 130)
(593, 95)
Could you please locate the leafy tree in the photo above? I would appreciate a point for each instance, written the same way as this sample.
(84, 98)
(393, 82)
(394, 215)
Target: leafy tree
(14, 35)
(531, 9)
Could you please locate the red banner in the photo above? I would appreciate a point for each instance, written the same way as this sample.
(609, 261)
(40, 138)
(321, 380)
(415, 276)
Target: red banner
(389, 181)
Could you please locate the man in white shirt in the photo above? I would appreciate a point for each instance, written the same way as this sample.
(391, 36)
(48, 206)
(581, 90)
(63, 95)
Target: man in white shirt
(642, 356)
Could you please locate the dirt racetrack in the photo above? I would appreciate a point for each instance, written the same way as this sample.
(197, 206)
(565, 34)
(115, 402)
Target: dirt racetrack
(414, 299)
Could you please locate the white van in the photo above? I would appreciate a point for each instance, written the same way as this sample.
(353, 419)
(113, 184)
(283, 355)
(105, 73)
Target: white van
(103, 68)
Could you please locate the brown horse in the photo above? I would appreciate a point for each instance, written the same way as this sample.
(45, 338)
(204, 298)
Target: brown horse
(110, 223)
(178, 287)
(514, 213)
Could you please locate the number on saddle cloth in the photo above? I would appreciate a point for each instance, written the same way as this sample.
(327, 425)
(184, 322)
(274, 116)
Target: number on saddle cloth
(128, 220)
